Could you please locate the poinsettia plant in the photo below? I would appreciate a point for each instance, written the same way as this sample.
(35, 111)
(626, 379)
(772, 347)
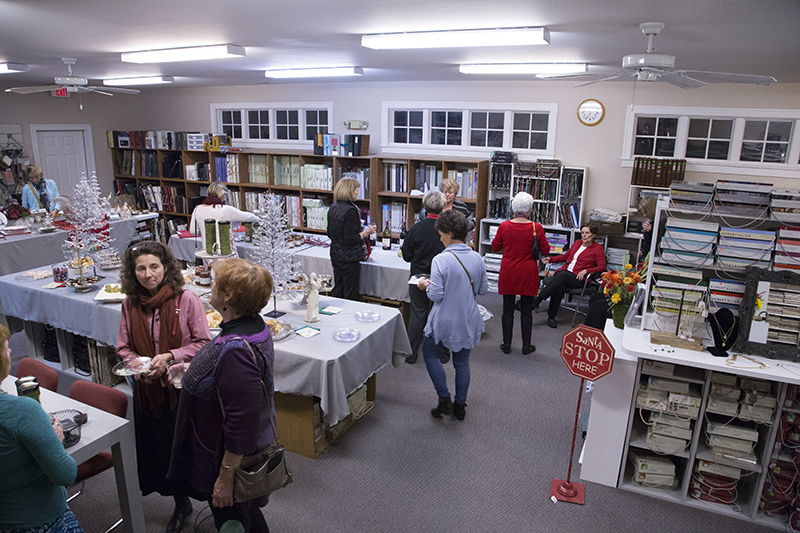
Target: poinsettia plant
(14, 211)
(619, 286)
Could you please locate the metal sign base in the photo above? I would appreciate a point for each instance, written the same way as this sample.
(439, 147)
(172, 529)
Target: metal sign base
(566, 491)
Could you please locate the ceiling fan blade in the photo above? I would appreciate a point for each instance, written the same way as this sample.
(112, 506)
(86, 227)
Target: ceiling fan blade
(33, 89)
(678, 79)
(95, 90)
(562, 76)
(121, 90)
(727, 77)
(623, 75)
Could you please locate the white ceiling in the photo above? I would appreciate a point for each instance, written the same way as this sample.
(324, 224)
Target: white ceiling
(738, 36)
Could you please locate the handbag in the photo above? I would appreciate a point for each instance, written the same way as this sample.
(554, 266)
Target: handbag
(536, 254)
(366, 249)
(265, 471)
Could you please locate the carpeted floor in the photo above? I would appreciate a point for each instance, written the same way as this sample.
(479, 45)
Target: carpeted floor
(399, 469)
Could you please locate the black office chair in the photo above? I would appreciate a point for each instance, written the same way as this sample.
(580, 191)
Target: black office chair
(591, 285)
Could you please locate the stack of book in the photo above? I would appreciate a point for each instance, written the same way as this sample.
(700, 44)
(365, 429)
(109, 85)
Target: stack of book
(787, 249)
(287, 170)
(395, 176)
(673, 285)
(657, 172)
(785, 205)
(689, 242)
(617, 258)
(319, 177)
(257, 168)
(741, 198)
(783, 313)
(726, 294)
(427, 177)
(559, 242)
(690, 196)
(741, 248)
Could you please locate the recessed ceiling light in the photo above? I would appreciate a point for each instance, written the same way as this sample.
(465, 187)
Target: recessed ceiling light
(523, 68)
(10, 68)
(457, 38)
(323, 72)
(142, 80)
(193, 53)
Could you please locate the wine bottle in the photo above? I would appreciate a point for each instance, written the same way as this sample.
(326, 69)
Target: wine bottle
(373, 238)
(402, 236)
(387, 238)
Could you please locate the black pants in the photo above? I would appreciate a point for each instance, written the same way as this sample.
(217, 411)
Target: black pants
(526, 304)
(420, 309)
(345, 279)
(555, 289)
(598, 311)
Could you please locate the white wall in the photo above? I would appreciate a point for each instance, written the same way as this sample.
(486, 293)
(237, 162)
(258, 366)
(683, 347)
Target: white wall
(599, 148)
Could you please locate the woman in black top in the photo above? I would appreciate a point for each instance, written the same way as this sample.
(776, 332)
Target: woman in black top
(344, 230)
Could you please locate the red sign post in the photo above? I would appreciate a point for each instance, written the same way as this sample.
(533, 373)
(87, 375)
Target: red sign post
(588, 355)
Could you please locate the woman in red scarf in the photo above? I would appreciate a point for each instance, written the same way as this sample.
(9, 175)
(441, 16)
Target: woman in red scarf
(161, 321)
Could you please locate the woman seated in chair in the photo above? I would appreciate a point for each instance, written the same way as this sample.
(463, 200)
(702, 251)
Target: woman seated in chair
(585, 257)
(35, 468)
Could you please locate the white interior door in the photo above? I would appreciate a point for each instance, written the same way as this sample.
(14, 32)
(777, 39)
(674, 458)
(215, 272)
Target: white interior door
(64, 153)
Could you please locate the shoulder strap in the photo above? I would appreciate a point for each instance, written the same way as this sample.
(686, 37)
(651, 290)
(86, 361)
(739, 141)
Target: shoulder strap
(36, 195)
(465, 271)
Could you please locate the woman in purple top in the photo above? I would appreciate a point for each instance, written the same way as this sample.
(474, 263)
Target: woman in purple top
(226, 406)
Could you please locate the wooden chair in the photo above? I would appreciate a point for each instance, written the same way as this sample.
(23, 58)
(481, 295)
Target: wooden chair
(46, 376)
(111, 401)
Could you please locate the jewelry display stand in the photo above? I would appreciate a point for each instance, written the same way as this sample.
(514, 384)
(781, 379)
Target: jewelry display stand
(725, 328)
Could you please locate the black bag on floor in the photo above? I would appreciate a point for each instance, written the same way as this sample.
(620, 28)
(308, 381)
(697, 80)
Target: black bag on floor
(80, 354)
(50, 345)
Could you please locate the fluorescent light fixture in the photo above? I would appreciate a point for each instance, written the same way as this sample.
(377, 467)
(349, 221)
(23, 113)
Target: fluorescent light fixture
(142, 80)
(193, 53)
(523, 68)
(324, 72)
(457, 38)
(6, 68)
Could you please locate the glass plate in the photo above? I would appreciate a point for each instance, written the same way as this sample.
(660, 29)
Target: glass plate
(279, 329)
(367, 316)
(347, 335)
(140, 366)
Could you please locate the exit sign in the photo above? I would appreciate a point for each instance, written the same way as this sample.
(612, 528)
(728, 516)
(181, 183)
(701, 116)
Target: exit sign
(61, 92)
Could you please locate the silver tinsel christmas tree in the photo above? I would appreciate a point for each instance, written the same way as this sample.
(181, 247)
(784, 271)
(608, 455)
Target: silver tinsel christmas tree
(272, 250)
(85, 213)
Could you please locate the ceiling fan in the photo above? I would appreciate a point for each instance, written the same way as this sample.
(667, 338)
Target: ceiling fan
(73, 84)
(658, 67)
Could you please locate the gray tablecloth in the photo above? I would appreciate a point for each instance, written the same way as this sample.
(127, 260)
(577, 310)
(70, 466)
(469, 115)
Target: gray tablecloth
(384, 274)
(32, 250)
(318, 366)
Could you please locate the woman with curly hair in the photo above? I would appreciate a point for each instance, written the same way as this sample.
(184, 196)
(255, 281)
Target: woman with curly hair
(161, 321)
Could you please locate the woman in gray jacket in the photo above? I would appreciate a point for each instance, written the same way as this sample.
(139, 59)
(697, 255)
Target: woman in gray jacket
(458, 275)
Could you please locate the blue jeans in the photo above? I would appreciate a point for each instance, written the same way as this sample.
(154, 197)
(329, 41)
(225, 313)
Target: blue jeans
(431, 351)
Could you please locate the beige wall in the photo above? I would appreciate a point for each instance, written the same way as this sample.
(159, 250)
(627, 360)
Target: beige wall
(599, 148)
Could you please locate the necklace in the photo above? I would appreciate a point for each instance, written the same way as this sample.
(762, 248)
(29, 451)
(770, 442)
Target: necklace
(724, 334)
(731, 361)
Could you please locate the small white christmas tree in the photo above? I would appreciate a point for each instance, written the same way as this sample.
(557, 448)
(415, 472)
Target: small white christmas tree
(84, 212)
(271, 247)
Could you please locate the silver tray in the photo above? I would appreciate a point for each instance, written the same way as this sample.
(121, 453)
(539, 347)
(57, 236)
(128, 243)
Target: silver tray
(142, 367)
(279, 329)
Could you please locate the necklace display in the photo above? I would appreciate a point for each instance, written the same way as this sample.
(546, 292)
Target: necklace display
(725, 335)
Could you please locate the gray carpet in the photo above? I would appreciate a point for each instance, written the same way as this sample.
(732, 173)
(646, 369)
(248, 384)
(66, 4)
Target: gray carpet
(399, 469)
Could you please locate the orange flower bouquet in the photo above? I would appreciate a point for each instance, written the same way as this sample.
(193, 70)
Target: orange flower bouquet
(619, 287)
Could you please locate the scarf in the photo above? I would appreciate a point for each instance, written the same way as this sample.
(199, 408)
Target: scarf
(213, 200)
(41, 188)
(151, 394)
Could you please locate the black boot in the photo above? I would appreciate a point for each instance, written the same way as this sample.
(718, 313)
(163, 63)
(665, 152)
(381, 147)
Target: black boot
(536, 301)
(526, 325)
(459, 410)
(445, 407)
(508, 331)
(183, 508)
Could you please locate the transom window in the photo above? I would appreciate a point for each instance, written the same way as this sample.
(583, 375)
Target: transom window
(316, 123)
(709, 138)
(258, 124)
(766, 141)
(232, 124)
(272, 124)
(287, 124)
(486, 129)
(407, 127)
(530, 131)
(656, 136)
(446, 127)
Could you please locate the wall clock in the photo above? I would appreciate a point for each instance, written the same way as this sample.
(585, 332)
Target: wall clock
(591, 112)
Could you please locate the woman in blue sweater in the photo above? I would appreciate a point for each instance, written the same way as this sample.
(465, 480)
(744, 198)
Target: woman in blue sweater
(34, 467)
(458, 276)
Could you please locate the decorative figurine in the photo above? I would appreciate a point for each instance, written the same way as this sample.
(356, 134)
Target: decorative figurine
(312, 311)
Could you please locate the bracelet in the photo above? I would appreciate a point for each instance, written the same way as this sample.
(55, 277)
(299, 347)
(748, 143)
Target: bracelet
(229, 467)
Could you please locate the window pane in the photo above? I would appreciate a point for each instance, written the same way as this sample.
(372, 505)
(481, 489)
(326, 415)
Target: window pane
(237, 117)
(751, 151)
(323, 129)
(755, 130)
(667, 127)
(311, 117)
(401, 118)
(415, 119)
(496, 121)
(323, 116)
(265, 132)
(400, 135)
(519, 139)
(779, 131)
(665, 147)
(718, 149)
(696, 148)
(522, 121)
(646, 126)
(311, 133)
(454, 137)
(721, 129)
(698, 127)
(294, 132)
(538, 141)
(644, 146)
(283, 132)
(478, 120)
(775, 152)
(454, 119)
(253, 132)
(237, 132)
(415, 135)
(227, 130)
(294, 117)
(437, 136)
(252, 117)
(227, 117)
(539, 122)
(264, 117)
(438, 119)
(495, 139)
(477, 138)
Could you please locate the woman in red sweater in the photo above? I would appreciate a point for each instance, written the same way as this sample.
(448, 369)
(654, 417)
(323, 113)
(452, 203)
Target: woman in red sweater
(583, 258)
(519, 272)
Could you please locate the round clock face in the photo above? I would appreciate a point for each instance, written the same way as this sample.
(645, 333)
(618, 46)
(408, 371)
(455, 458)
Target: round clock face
(591, 112)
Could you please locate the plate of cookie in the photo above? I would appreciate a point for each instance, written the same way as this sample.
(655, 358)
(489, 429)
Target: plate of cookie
(110, 293)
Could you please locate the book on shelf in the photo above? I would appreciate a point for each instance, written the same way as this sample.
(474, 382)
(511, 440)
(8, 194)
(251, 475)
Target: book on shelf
(753, 234)
(500, 176)
(743, 253)
(572, 183)
(733, 262)
(232, 164)
(287, 170)
(318, 177)
(361, 175)
(677, 294)
(395, 176)
(746, 243)
(743, 186)
(697, 225)
(257, 168)
(657, 172)
(726, 297)
(680, 234)
(670, 282)
(726, 285)
(687, 258)
(668, 242)
(677, 272)
(790, 232)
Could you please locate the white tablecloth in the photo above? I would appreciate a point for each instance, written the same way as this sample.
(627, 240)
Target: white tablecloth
(319, 366)
(384, 274)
